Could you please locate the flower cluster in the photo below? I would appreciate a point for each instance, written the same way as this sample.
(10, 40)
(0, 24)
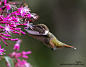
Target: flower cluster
(11, 17)
(15, 56)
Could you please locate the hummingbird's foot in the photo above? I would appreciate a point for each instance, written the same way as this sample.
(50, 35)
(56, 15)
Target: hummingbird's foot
(54, 48)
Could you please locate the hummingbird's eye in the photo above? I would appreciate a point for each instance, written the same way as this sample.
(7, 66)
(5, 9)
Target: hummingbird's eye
(40, 27)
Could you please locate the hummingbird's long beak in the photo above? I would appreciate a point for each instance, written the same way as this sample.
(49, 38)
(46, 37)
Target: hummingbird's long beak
(33, 25)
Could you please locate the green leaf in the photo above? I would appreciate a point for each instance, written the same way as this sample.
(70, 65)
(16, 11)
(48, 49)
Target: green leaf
(9, 61)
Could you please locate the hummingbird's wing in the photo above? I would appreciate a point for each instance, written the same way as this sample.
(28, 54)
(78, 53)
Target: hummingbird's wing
(37, 35)
(33, 32)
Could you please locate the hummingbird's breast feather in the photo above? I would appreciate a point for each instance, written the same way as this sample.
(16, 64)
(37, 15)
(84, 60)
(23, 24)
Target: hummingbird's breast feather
(56, 42)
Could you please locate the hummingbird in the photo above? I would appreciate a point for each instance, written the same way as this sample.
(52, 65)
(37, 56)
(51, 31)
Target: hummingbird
(43, 34)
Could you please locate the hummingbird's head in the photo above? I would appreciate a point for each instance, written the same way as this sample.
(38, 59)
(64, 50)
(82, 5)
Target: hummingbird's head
(41, 28)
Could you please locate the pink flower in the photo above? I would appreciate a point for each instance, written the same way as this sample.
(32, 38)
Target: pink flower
(26, 64)
(1, 51)
(5, 1)
(0, 3)
(11, 20)
(7, 29)
(24, 11)
(7, 64)
(24, 54)
(17, 45)
(14, 54)
(8, 6)
(22, 63)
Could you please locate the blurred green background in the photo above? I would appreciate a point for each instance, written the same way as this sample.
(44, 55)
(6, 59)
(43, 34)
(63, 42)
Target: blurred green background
(66, 19)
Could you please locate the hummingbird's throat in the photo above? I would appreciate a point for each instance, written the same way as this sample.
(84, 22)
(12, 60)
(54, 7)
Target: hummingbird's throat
(46, 31)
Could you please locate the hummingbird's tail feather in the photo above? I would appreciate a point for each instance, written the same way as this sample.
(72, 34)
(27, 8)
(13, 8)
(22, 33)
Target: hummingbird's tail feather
(67, 46)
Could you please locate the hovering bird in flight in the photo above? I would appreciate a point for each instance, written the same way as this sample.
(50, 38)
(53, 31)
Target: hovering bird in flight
(43, 34)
